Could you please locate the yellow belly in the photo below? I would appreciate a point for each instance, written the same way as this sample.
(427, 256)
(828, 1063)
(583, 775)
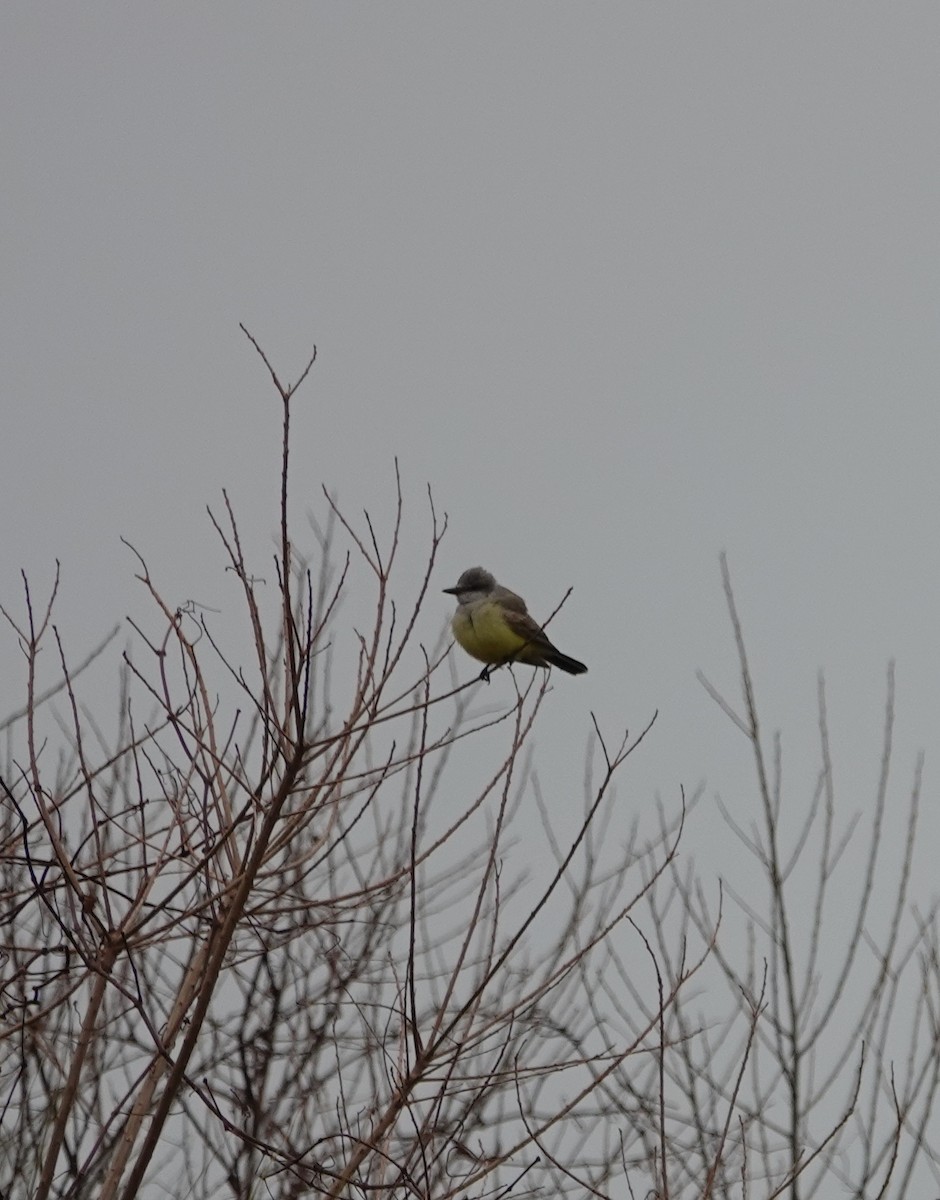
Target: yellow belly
(485, 634)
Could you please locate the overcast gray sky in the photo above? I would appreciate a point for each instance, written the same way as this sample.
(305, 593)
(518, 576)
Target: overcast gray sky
(627, 284)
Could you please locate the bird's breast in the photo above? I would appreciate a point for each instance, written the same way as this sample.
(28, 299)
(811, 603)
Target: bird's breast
(482, 631)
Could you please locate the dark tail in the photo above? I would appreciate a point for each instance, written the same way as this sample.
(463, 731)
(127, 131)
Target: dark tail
(571, 665)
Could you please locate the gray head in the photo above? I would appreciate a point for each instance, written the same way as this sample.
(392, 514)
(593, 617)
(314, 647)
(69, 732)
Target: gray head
(473, 584)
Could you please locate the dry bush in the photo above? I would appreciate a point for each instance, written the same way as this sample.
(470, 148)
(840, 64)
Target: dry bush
(264, 942)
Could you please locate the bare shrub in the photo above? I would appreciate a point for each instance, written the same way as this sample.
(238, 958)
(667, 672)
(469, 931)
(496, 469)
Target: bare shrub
(264, 941)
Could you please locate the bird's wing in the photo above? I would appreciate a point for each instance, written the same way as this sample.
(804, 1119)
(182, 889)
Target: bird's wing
(523, 625)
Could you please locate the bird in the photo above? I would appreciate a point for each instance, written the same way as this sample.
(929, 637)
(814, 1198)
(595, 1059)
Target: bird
(493, 625)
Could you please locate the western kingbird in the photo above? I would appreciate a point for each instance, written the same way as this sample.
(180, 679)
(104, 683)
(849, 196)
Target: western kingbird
(493, 624)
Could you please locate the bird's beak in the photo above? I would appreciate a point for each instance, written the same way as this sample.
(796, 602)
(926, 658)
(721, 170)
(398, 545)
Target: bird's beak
(451, 591)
